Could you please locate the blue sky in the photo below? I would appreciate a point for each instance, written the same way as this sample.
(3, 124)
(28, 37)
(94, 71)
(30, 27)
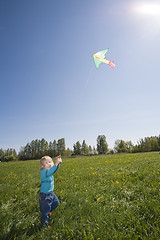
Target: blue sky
(50, 87)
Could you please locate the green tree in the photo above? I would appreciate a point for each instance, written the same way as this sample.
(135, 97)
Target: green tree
(102, 146)
(158, 140)
(28, 151)
(84, 148)
(147, 147)
(129, 146)
(154, 144)
(61, 146)
(119, 146)
(55, 148)
(67, 152)
(94, 151)
(7, 155)
(90, 150)
(9, 158)
(37, 149)
(50, 149)
(1, 155)
(33, 150)
(147, 144)
(43, 146)
(77, 148)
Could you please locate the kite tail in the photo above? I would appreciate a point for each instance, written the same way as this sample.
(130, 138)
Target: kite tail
(111, 64)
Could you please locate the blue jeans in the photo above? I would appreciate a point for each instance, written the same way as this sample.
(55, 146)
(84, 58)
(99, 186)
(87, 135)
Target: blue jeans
(47, 203)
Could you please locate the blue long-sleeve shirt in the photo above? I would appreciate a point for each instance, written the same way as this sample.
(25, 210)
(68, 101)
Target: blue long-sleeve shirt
(47, 179)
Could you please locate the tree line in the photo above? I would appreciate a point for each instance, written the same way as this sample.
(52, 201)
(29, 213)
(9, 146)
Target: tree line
(8, 155)
(38, 148)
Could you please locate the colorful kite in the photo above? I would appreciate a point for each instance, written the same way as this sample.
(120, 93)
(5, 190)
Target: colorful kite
(99, 57)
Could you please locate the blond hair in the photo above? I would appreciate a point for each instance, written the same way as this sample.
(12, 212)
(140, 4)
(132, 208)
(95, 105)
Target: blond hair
(43, 159)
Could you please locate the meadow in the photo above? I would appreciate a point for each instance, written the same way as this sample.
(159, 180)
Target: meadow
(101, 198)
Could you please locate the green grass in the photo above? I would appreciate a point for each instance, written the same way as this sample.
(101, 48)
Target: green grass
(101, 197)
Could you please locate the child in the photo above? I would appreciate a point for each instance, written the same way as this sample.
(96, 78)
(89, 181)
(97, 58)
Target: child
(48, 201)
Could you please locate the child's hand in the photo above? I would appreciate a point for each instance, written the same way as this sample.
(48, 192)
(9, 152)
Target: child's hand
(59, 160)
(59, 156)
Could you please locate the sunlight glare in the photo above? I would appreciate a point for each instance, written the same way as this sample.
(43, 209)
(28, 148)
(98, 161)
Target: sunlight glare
(148, 9)
(147, 17)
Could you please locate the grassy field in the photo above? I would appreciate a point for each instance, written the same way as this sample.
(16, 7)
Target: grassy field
(101, 197)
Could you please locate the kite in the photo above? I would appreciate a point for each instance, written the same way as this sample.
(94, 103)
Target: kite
(99, 57)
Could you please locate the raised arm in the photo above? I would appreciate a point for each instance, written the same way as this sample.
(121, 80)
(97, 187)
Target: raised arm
(55, 167)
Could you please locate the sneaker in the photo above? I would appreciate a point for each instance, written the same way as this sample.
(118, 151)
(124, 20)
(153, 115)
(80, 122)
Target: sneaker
(45, 223)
